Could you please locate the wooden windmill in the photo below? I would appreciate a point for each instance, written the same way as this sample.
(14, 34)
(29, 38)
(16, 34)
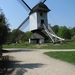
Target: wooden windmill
(38, 22)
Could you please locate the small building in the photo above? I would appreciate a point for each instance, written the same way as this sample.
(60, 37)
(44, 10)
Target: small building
(18, 39)
(38, 37)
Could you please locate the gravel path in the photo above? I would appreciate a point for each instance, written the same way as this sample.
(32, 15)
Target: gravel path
(34, 62)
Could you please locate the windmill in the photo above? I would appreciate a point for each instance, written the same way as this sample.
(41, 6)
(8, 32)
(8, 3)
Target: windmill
(38, 22)
(32, 10)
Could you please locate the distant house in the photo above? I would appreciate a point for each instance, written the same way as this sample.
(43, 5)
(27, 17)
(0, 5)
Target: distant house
(19, 38)
(38, 37)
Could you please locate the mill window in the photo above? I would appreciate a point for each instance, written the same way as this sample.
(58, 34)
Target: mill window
(42, 22)
(41, 14)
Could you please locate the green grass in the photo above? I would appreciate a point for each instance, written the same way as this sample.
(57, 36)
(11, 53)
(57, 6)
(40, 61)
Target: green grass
(20, 45)
(67, 45)
(64, 56)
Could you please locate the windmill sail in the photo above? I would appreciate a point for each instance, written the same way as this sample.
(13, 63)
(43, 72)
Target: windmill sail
(24, 4)
(24, 24)
(43, 1)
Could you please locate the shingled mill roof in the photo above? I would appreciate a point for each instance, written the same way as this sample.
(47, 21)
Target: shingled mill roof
(40, 7)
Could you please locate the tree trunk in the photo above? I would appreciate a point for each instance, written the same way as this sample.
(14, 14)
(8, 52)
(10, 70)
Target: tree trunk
(0, 51)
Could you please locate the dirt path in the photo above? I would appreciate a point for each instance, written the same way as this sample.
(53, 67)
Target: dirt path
(34, 62)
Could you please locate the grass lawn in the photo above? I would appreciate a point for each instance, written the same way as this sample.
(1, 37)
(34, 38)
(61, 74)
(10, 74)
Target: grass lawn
(67, 45)
(19, 45)
(64, 56)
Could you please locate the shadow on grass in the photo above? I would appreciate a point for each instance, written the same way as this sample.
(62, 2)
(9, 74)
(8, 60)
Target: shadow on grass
(7, 67)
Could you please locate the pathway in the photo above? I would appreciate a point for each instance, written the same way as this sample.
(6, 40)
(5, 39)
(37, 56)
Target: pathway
(34, 62)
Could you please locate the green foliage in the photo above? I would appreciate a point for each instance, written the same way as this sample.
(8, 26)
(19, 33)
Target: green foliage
(19, 45)
(73, 31)
(14, 34)
(55, 28)
(68, 45)
(9, 37)
(65, 56)
(4, 29)
(27, 36)
(73, 39)
(64, 32)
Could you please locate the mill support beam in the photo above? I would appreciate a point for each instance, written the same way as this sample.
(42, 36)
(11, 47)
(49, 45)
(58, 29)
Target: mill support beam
(52, 35)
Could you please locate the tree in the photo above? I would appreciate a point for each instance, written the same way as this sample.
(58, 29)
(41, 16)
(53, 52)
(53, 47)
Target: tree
(64, 32)
(27, 36)
(55, 28)
(4, 29)
(14, 34)
(73, 31)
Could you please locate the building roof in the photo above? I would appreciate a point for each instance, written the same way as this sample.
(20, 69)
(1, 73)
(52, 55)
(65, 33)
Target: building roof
(40, 7)
(38, 35)
(20, 37)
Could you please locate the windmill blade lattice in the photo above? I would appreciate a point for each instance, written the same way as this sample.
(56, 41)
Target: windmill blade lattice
(43, 1)
(24, 24)
(24, 4)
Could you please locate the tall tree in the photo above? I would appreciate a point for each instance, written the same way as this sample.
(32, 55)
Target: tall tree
(27, 36)
(55, 28)
(14, 34)
(64, 32)
(73, 31)
(4, 28)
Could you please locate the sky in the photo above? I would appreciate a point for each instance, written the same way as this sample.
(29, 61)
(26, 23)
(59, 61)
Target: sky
(62, 12)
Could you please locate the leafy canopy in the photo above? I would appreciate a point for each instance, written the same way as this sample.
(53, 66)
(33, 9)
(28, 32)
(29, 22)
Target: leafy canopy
(4, 28)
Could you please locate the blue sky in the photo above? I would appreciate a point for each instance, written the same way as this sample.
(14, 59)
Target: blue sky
(62, 12)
